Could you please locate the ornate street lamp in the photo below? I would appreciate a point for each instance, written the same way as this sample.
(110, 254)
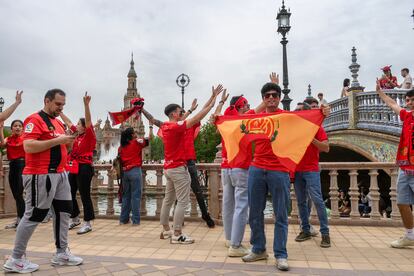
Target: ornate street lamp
(283, 18)
(182, 81)
(1, 104)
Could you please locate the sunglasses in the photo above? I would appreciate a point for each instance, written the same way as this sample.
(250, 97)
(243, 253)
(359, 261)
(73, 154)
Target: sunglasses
(182, 112)
(274, 95)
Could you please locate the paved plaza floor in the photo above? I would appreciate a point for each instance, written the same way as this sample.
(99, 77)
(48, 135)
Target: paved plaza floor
(112, 249)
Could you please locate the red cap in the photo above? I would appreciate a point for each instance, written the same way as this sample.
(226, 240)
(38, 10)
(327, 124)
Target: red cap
(386, 68)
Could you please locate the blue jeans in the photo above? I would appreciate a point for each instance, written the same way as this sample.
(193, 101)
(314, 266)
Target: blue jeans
(131, 196)
(235, 204)
(308, 184)
(260, 182)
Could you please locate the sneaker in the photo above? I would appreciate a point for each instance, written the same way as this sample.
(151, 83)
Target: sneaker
(313, 231)
(253, 257)
(282, 264)
(402, 242)
(326, 241)
(209, 221)
(22, 265)
(11, 225)
(66, 258)
(84, 229)
(303, 236)
(227, 243)
(166, 235)
(74, 224)
(181, 239)
(47, 218)
(237, 251)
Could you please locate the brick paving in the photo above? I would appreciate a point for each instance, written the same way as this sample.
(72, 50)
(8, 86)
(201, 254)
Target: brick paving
(112, 249)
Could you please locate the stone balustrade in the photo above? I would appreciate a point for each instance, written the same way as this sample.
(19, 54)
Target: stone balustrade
(365, 110)
(104, 192)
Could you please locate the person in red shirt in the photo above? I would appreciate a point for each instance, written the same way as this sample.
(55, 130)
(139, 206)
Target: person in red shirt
(388, 81)
(15, 155)
(130, 153)
(175, 170)
(80, 167)
(267, 174)
(405, 160)
(4, 115)
(308, 185)
(46, 184)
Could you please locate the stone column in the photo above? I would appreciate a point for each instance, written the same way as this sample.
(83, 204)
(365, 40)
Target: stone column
(333, 193)
(375, 196)
(395, 214)
(353, 193)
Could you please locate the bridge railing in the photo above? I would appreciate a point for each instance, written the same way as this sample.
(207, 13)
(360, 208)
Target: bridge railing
(365, 110)
(104, 191)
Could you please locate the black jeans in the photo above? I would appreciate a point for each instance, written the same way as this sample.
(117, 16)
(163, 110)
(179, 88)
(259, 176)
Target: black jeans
(195, 186)
(16, 184)
(82, 181)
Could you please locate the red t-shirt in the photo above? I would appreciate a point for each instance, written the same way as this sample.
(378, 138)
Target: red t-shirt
(52, 160)
(83, 147)
(131, 154)
(14, 146)
(190, 135)
(263, 154)
(173, 136)
(405, 153)
(310, 161)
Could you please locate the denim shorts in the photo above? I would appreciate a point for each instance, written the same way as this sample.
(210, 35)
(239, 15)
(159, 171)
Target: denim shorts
(405, 188)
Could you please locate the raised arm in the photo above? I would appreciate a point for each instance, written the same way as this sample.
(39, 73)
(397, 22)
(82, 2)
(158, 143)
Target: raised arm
(9, 111)
(66, 120)
(86, 101)
(206, 109)
(2, 141)
(151, 118)
(388, 100)
(194, 105)
(219, 108)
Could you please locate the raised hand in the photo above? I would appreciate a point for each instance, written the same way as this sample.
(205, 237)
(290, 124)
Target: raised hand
(274, 78)
(194, 105)
(224, 96)
(216, 91)
(19, 96)
(86, 98)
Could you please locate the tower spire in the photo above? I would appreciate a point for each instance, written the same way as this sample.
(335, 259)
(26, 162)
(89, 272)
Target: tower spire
(131, 73)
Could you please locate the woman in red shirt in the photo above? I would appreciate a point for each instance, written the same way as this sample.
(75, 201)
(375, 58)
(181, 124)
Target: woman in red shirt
(15, 155)
(130, 153)
(80, 167)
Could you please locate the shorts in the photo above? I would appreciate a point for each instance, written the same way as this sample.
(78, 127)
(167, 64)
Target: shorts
(405, 188)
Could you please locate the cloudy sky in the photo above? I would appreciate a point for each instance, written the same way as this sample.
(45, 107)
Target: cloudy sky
(86, 45)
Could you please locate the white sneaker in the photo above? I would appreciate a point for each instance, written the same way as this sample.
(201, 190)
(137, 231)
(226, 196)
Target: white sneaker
(84, 229)
(282, 264)
(66, 258)
(22, 265)
(402, 242)
(166, 235)
(74, 223)
(227, 243)
(181, 239)
(11, 225)
(238, 251)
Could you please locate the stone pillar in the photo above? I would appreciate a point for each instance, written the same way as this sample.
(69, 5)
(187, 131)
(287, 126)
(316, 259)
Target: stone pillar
(160, 192)
(395, 214)
(375, 196)
(353, 193)
(94, 192)
(214, 187)
(352, 109)
(218, 158)
(143, 207)
(333, 193)
(110, 193)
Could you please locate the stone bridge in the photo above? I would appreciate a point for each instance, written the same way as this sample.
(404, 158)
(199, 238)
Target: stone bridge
(362, 128)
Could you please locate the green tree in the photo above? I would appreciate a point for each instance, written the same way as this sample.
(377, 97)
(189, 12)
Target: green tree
(206, 143)
(157, 149)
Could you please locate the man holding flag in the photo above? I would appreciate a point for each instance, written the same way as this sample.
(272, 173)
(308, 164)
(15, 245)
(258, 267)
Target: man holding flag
(281, 139)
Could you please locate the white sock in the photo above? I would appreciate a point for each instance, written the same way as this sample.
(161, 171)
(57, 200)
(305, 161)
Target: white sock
(409, 233)
(88, 223)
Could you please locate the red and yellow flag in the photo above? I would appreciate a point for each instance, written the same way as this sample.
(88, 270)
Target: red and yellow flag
(289, 133)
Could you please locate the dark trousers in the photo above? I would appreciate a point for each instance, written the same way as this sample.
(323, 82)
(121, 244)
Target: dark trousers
(195, 186)
(82, 181)
(16, 184)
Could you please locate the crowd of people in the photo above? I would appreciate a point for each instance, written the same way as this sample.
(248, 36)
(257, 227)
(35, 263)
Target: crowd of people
(387, 81)
(51, 160)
